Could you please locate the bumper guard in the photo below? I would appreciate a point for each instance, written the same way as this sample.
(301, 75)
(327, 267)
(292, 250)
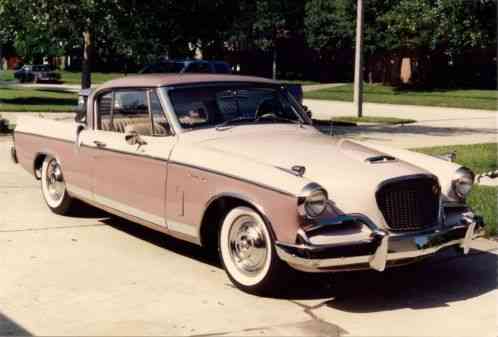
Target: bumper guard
(381, 250)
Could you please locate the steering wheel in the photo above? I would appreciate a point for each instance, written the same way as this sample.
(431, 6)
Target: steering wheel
(266, 109)
(266, 115)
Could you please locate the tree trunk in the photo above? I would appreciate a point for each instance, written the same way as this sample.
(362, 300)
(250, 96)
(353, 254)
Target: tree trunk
(274, 64)
(1, 57)
(86, 71)
(274, 51)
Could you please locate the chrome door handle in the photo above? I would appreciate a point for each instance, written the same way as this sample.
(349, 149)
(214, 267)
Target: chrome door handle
(99, 144)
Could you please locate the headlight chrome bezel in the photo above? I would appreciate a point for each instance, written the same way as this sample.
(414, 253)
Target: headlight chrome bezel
(305, 199)
(462, 177)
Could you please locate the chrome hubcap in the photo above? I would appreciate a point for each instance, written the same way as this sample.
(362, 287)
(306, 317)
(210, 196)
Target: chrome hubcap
(248, 246)
(55, 181)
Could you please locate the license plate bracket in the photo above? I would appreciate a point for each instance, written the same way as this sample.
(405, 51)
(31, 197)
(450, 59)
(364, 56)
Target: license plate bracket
(421, 241)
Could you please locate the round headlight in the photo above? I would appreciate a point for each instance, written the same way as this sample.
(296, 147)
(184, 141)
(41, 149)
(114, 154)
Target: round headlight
(462, 182)
(313, 201)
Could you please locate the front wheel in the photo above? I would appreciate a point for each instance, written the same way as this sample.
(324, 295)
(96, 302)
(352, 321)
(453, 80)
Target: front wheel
(54, 187)
(248, 255)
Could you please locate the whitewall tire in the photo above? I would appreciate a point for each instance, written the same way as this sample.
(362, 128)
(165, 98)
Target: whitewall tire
(54, 187)
(247, 252)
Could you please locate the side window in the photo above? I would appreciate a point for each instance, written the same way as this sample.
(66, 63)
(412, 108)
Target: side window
(130, 104)
(104, 103)
(126, 111)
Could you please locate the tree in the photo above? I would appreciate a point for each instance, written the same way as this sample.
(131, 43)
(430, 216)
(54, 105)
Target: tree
(410, 24)
(74, 20)
(465, 24)
(260, 24)
(47, 27)
(7, 30)
(329, 24)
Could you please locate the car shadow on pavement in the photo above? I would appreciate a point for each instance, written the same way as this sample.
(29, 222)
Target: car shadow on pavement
(10, 328)
(410, 129)
(434, 282)
(85, 211)
(170, 243)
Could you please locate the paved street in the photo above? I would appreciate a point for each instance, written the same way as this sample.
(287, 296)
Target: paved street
(436, 126)
(99, 275)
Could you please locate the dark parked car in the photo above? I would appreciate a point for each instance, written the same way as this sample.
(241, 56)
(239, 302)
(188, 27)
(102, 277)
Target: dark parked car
(187, 66)
(37, 73)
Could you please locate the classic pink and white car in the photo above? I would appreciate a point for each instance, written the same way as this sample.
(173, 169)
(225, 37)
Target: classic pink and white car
(235, 163)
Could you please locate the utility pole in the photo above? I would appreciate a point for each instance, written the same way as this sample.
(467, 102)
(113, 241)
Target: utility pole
(358, 62)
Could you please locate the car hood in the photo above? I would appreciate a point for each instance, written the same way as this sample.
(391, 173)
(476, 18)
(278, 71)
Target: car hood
(340, 165)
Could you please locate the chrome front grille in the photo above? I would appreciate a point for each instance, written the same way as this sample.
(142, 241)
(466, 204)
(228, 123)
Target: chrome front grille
(410, 203)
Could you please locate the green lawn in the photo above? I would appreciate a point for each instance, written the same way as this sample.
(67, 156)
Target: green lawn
(480, 158)
(36, 100)
(474, 99)
(71, 77)
(302, 82)
(7, 75)
(483, 200)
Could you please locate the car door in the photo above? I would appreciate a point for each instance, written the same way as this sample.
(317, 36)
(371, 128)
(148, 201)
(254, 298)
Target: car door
(131, 143)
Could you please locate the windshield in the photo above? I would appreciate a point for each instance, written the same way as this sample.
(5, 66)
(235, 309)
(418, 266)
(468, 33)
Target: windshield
(41, 68)
(220, 105)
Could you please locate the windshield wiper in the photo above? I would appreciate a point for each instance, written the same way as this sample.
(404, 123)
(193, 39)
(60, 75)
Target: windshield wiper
(235, 120)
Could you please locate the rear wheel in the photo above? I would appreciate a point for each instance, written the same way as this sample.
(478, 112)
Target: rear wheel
(54, 187)
(248, 255)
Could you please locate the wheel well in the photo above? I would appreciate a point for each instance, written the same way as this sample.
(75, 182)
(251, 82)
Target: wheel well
(214, 216)
(37, 165)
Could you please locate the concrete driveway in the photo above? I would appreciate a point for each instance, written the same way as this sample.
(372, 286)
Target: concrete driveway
(99, 275)
(435, 126)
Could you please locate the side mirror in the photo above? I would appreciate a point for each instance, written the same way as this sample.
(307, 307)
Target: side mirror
(133, 138)
(80, 116)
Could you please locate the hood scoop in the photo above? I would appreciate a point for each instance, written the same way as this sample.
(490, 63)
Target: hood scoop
(382, 159)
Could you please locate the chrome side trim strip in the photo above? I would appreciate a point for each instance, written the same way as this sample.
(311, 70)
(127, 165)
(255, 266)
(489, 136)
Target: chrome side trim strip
(142, 222)
(80, 192)
(193, 167)
(158, 220)
(169, 225)
(144, 156)
(233, 177)
(182, 228)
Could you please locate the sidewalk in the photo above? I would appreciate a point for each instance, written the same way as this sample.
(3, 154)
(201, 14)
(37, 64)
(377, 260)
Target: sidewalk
(436, 126)
(314, 87)
(47, 86)
(12, 116)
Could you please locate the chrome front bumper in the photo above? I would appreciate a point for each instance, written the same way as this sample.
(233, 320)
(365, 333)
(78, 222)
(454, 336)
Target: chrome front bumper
(381, 250)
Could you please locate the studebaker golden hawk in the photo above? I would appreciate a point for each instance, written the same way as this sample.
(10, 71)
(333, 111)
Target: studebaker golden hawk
(235, 163)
